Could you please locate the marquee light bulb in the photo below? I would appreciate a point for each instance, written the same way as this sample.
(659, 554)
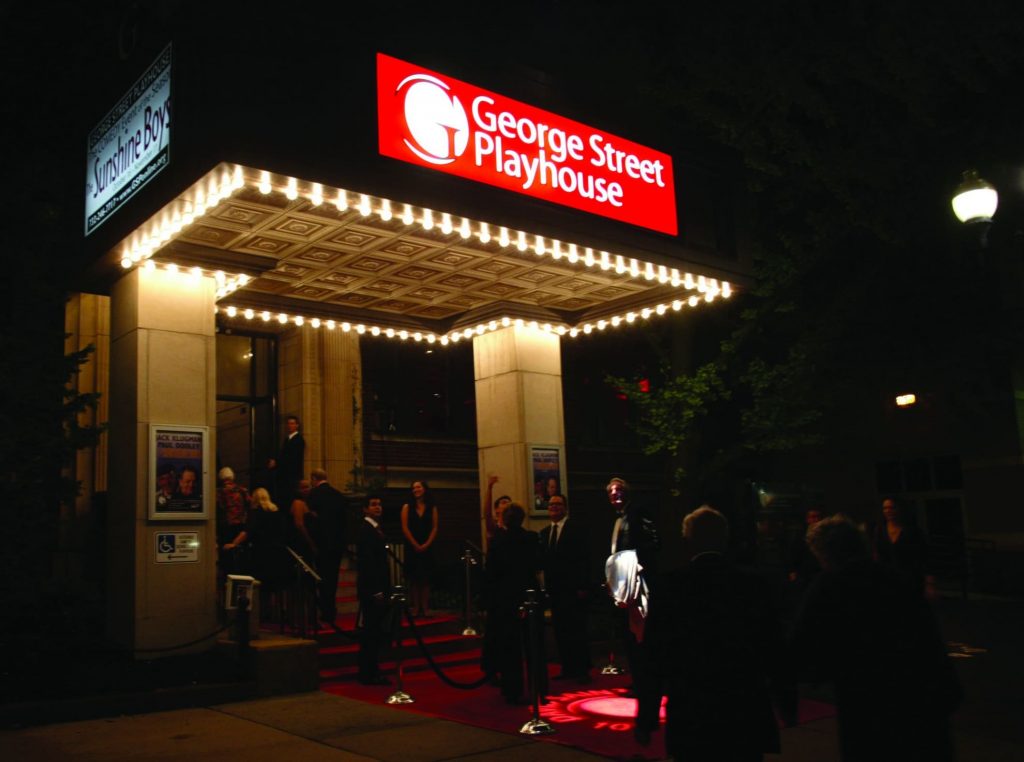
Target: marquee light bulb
(556, 249)
(341, 201)
(446, 223)
(126, 262)
(407, 216)
(428, 220)
(330, 325)
(282, 318)
(317, 196)
(464, 230)
(315, 322)
(385, 210)
(360, 329)
(232, 311)
(264, 185)
(503, 239)
(375, 331)
(588, 257)
(538, 245)
(506, 322)
(265, 316)
(249, 314)
(364, 205)
(485, 233)
(521, 241)
(693, 300)
(726, 289)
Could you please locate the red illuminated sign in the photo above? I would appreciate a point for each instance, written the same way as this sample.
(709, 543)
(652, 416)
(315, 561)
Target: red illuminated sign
(441, 123)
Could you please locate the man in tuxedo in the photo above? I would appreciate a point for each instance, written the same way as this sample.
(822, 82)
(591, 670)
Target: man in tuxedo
(635, 530)
(566, 565)
(373, 586)
(288, 465)
(330, 507)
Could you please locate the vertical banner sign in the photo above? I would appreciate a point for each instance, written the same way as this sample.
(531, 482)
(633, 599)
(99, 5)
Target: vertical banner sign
(130, 145)
(437, 122)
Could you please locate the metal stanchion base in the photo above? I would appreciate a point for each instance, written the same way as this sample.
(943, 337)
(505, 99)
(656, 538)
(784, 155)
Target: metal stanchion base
(537, 728)
(469, 632)
(611, 669)
(399, 697)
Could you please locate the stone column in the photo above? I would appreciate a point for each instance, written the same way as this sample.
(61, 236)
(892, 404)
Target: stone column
(86, 322)
(321, 381)
(162, 370)
(518, 373)
(342, 426)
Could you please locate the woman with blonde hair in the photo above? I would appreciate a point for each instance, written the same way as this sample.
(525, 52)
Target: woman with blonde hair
(264, 533)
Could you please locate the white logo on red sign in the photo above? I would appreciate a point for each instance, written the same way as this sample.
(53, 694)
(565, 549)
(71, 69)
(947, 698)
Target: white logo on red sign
(436, 120)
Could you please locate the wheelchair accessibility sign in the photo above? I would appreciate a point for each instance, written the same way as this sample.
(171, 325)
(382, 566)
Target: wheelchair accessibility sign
(176, 547)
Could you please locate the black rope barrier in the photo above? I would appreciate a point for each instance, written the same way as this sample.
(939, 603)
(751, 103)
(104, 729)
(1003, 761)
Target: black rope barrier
(433, 665)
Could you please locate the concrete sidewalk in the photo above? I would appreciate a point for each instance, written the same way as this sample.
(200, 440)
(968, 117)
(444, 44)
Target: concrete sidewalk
(319, 726)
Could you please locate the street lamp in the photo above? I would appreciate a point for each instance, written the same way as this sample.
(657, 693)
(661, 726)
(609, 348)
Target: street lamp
(975, 199)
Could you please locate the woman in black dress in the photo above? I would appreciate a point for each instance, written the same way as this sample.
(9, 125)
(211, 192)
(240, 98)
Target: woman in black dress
(419, 526)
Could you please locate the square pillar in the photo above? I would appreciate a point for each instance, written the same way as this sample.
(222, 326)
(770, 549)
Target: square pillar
(162, 370)
(518, 377)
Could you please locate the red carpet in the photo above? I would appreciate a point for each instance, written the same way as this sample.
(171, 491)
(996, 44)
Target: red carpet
(596, 717)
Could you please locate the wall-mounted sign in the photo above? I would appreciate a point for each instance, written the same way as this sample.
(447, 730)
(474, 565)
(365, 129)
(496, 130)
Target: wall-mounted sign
(435, 121)
(546, 470)
(177, 547)
(130, 145)
(178, 464)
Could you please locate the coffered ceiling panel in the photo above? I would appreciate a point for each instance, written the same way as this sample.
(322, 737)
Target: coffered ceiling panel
(299, 247)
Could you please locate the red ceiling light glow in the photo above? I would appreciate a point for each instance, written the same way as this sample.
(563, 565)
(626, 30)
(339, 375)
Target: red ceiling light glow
(441, 123)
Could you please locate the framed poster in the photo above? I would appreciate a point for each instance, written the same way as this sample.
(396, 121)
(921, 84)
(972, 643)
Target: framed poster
(547, 478)
(179, 460)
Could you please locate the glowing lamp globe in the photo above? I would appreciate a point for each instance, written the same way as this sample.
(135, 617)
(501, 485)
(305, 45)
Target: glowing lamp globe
(975, 200)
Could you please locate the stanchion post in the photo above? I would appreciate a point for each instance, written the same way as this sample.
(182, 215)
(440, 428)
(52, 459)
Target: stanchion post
(470, 562)
(398, 601)
(534, 610)
(611, 668)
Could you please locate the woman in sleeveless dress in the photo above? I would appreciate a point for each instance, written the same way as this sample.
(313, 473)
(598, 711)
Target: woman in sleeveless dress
(419, 527)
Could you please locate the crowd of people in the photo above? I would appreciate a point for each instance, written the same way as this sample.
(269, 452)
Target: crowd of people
(712, 636)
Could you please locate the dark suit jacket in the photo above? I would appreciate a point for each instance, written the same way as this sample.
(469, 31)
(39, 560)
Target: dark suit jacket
(512, 565)
(371, 562)
(567, 566)
(289, 463)
(638, 532)
(330, 507)
(717, 640)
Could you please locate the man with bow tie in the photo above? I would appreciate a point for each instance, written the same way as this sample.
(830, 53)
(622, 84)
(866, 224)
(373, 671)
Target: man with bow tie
(373, 587)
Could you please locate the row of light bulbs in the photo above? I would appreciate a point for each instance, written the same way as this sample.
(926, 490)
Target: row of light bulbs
(197, 201)
(283, 318)
(220, 184)
(446, 223)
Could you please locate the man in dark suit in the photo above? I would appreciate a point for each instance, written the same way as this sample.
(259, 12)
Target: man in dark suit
(330, 507)
(373, 586)
(717, 639)
(566, 565)
(635, 530)
(288, 466)
(512, 566)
